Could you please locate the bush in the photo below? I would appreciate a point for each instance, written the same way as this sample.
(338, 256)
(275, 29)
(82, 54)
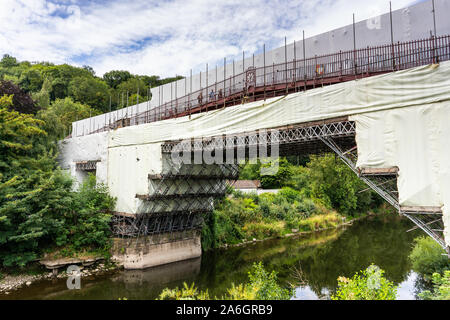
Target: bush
(265, 285)
(88, 223)
(441, 287)
(336, 186)
(321, 221)
(262, 285)
(428, 257)
(370, 284)
(281, 175)
(185, 293)
(262, 230)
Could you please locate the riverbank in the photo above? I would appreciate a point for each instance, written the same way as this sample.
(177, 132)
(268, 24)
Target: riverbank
(321, 257)
(296, 234)
(244, 218)
(12, 282)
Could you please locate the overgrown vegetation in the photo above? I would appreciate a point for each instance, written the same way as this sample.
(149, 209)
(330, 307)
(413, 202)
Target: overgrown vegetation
(441, 289)
(69, 92)
(321, 193)
(427, 257)
(369, 284)
(38, 207)
(262, 285)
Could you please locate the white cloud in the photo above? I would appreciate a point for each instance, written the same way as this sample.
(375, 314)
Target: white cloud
(150, 37)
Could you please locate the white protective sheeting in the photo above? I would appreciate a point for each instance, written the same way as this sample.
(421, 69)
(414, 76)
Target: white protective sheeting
(86, 148)
(128, 169)
(401, 120)
(416, 141)
(412, 87)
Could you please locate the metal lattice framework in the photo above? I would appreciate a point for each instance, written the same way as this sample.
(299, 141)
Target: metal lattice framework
(384, 182)
(261, 83)
(176, 202)
(179, 198)
(337, 135)
(300, 134)
(87, 165)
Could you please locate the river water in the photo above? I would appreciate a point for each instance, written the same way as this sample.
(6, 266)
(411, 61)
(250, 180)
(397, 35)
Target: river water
(312, 263)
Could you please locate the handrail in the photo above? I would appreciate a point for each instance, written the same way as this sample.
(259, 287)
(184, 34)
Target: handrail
(260, 83)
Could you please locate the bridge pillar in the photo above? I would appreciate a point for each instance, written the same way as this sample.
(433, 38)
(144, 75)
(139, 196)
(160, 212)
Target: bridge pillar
(167, 225)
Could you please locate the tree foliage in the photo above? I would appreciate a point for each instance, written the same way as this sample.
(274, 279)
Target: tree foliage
(336, 186)
(369, 284)
(22, 101)
(262, 285)
(38, 207)
(115, 77)
(90, 91)
(441, 289)
(428, 257)
(47, 82)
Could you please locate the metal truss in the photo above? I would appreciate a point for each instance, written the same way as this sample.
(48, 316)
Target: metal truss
(87, 165)
(270, 137)
(148, 225)
(177, 201)
(191, 189)
(384, 182)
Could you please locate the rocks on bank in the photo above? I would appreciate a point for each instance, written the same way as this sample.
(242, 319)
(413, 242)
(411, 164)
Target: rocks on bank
(57, 270)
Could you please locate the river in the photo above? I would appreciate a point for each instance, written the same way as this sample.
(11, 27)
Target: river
(312, 263)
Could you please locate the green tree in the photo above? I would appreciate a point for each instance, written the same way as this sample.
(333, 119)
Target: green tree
(370, 284)
(8, 61)
(87, 223)
(65, 111)
(42, 97)
(131, 86)
(25, 173)
(31, 80)
(428, 257)
(115, 77)
(441, 287)
(277, 173)
(90, 91)
(336, 186)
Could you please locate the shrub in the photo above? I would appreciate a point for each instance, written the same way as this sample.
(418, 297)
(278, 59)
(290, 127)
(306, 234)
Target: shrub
(441, 287)
(306, 208)
(265, 284)
(321, 221)
(289, 194)
(336, 186)
(185, 293)
(281, 174)
(261, 230)
(90, 218)
(226, 230)
(428, 257)
(370, 284)
(262, 285)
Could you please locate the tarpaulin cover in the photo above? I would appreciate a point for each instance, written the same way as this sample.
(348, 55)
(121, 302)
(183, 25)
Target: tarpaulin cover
(401, 120)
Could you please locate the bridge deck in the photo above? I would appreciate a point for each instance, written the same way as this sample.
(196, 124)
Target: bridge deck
(261, 83)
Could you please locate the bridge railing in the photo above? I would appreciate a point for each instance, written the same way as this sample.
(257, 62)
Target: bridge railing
(296, 75)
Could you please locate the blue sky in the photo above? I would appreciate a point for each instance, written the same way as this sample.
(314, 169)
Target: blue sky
(166, 37)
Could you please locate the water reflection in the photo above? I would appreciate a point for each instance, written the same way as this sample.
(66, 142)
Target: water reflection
(311, 263)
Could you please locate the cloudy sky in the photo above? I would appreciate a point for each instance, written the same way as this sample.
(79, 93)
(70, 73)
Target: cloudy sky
(166, 37)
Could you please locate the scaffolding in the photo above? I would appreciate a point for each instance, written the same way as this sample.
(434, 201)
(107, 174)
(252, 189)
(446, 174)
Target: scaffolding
(337, 135)
(261, 83)
(177, 201)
